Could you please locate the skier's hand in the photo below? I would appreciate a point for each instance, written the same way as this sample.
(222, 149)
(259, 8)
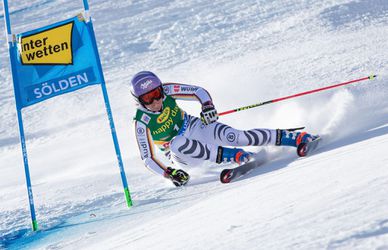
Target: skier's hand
(177, 176)
(209, 113)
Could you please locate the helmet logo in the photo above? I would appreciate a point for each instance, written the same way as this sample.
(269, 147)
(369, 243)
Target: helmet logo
(145, 84)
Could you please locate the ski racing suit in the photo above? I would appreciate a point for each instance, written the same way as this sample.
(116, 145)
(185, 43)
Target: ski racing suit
(183, 138)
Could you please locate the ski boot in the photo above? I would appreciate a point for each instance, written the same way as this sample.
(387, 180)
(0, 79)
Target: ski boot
(300, 140)
(292, 138)
(232, 155)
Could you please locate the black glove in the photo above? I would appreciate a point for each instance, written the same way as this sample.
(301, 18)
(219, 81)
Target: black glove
(209, 113)
(177, 176)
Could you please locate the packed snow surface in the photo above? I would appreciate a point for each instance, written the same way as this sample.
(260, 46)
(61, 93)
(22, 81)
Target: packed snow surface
(242, 52)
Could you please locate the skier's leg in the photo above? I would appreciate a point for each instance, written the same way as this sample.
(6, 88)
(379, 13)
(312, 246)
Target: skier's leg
(221, 134)
(192, 152)
(204, 142)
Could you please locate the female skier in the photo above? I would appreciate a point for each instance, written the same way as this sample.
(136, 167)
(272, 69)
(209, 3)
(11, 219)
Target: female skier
(186, 139)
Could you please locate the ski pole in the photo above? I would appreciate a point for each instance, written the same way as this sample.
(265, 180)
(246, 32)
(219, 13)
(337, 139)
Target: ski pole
(371, 77)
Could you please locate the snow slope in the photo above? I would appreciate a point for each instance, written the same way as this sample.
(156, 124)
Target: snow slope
(243, 53)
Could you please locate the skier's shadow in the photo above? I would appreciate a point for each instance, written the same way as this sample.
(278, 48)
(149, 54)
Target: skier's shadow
(269, 166)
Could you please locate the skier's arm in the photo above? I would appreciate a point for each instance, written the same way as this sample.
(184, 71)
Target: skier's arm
(144, 141)
(187, 92)
(190, 92)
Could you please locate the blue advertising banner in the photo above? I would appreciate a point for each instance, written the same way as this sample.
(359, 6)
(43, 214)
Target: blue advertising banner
(54, 60)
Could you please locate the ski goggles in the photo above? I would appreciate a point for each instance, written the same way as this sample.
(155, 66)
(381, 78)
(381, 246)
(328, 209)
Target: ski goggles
(148, 98)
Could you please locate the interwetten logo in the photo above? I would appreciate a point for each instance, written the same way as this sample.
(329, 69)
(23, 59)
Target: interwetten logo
(52, 46)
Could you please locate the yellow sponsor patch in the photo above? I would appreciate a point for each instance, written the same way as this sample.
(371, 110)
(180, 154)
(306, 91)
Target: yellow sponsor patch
(164, 115)
(51, 46)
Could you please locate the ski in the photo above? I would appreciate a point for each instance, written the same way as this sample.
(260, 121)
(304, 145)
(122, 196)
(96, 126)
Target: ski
(230, 174)
(305, 149)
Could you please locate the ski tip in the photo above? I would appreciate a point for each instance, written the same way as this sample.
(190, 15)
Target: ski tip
(225, 175)
(304, 148)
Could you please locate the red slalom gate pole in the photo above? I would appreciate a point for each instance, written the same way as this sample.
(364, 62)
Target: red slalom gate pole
(297, 95)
